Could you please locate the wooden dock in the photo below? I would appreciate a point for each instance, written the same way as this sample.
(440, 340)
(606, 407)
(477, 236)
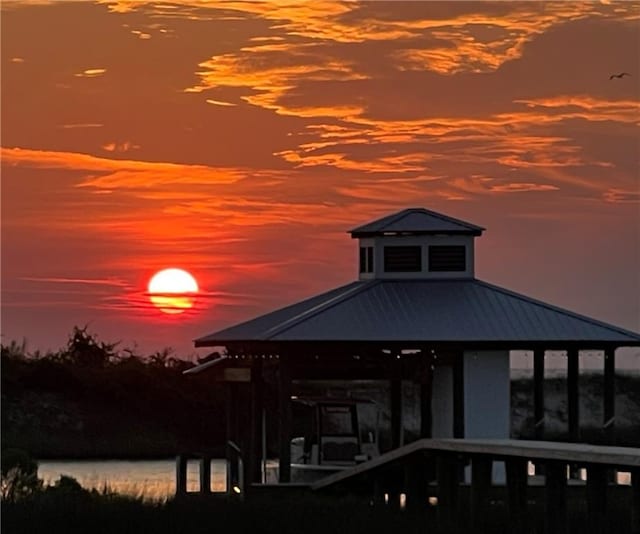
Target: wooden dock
(472, 483)
(453, 474)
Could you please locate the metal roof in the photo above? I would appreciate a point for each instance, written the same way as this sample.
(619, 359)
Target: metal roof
(461, 310)
(416, 221)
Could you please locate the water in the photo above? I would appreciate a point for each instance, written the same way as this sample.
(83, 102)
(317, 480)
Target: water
(156, 479)
(150, 479)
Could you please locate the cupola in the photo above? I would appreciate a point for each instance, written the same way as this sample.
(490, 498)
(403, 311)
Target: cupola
(416, 243)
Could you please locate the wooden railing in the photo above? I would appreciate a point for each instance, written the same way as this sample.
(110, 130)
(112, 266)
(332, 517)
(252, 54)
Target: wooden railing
(492, 474)
(234, 471)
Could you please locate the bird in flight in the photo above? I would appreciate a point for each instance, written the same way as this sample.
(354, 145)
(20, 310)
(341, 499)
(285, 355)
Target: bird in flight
(621, 75)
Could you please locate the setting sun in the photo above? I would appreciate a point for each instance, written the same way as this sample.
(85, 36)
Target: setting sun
(172, 290)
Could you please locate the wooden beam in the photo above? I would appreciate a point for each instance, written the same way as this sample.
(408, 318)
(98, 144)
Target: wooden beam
(284, 419)
(608, 424)
(538, 393)
(573, 406)
(458, 396)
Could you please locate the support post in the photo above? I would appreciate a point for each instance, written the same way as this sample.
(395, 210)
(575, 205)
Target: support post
(181, 475)
(232, 452)
(284, 418)
(596, 498)
(458, 395)
(378, 491)
(416, 482)
(480, 487)
(396, 412)
(635, 501)
(205, 474)
(573, 370)
(555, 498)
(517, 494)
(252, 462)
(538, 393)
(608, 425)
(447, 474)
(426, 392)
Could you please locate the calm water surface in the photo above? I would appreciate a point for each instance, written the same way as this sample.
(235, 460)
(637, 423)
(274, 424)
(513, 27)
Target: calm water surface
(151, 479)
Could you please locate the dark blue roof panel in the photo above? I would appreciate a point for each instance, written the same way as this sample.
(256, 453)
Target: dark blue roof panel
(422, 310)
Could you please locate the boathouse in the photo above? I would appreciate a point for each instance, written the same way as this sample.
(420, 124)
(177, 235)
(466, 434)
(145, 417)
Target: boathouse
(416, 313)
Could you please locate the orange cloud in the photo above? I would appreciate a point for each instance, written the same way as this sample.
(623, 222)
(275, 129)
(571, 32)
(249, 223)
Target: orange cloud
(121, 173)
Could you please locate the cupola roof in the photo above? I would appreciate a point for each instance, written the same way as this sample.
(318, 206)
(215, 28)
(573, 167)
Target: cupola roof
(416, 221)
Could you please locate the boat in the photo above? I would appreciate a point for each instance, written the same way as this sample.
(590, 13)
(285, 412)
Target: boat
(331, 436)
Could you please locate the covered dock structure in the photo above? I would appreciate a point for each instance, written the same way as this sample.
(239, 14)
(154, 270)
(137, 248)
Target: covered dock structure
(416, 313)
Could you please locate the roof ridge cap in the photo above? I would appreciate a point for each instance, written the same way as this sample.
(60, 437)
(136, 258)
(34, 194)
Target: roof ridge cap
(555, 308)
(312, 312)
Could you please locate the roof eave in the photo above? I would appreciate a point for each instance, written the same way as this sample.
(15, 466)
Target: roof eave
(359, 234)
(481, 344)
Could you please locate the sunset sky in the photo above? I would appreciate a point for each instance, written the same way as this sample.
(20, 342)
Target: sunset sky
(241, 140)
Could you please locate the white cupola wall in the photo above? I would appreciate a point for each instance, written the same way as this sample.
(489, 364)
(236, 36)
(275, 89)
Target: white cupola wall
(416, 244)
